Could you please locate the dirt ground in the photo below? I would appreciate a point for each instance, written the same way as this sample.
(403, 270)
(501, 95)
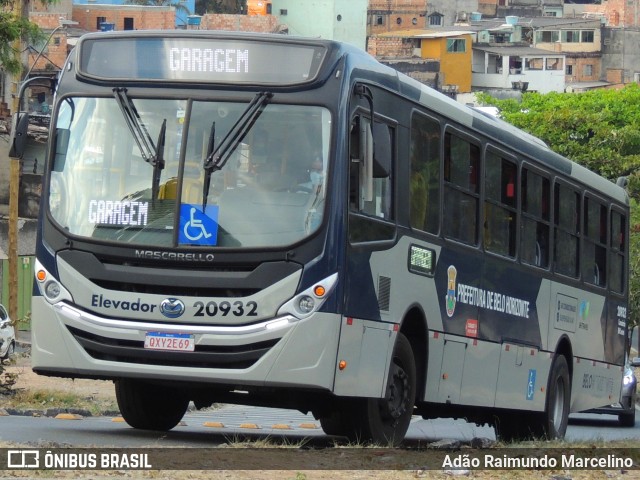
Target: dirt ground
(28, 380)
(103, 390)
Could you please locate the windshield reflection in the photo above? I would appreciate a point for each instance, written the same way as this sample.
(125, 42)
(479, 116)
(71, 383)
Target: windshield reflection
(270, 192)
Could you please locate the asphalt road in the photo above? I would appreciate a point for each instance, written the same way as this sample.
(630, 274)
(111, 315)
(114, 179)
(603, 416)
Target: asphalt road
(234, 423)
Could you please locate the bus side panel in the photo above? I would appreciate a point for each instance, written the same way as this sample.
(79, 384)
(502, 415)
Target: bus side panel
(595, 384)
(380, 289)
(616, 331)
(580, 315)
(366, 348)
(522, 377)
(479, 378)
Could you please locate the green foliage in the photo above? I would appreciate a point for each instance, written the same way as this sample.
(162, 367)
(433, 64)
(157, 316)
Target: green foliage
(220, 6)
(599, 129)
(12, 29)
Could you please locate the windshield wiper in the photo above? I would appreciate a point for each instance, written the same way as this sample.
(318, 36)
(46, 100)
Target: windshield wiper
(217, 157)
(152, 154)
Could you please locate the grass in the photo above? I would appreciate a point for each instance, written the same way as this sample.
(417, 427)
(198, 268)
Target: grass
(52, 399)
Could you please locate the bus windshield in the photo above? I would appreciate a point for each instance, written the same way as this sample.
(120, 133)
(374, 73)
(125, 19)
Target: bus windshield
(269, 192)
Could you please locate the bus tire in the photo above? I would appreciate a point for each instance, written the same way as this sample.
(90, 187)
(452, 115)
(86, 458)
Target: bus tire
(627, 419)
(555, 418)
(385, 421)
(147, 406)
(339, 421)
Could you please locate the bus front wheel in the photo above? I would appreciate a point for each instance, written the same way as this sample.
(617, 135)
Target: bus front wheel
(386, 420)
(148, 406)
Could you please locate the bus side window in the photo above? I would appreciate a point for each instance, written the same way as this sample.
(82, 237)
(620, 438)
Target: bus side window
(461, 167)
(618, 252)
(567, 232)
(534, 238)
(594, 258)
(424, 186)
(370, 183)
(500, 205)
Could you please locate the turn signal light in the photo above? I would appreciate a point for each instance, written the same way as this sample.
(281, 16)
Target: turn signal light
(342, 365)
(41, 275)
(319, 291)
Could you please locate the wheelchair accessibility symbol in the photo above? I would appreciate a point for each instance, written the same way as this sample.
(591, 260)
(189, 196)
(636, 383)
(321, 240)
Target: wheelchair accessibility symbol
(196, 227)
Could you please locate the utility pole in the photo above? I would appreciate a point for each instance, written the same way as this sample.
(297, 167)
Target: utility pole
(21, 9)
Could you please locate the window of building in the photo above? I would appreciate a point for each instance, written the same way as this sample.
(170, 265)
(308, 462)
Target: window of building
(399, 21)
(461, 189)
(100, 21)
(547, 36)
(587, 36)
(554, 64)
(618, 252)
(534, 238)
(569, 70)
(456, 45)
(571, 36)
(128, 23)
(567, 230)
(594, 254)
(536, 63)
(500, 205)
(587, 70)
(435, 20)
(379, 20)
(425, 173)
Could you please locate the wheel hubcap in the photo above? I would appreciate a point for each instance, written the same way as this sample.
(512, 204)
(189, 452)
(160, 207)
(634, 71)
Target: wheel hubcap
(558, 406)
(397, 397)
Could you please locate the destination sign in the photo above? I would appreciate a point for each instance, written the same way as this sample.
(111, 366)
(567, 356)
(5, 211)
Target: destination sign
(198, 59)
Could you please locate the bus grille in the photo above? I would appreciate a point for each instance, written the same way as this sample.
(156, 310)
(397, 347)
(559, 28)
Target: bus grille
(204, 356)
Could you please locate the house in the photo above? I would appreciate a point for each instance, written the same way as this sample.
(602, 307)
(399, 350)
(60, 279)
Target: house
(182, 9)
(95, 17)
(518, 67)
(449, 51)
(384, 16)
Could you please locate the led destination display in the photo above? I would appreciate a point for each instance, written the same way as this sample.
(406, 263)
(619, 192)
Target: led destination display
(200, 59)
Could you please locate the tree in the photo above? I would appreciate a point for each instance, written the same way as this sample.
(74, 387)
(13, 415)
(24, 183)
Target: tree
(12, 29)
(599, 129)
(221, 6)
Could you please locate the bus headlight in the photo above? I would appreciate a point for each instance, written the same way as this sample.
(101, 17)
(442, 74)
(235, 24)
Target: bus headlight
(306, 304)
(49, 287)
(309, 301)
(52, 289)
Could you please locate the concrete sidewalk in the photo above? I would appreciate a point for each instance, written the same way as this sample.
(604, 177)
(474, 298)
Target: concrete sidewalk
(23, 338)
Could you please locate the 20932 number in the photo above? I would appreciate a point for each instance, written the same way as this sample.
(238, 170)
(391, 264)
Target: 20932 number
(224, 308)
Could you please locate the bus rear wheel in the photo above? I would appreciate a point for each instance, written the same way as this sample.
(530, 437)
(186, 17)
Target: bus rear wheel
(148, 406)
(385, 421)
(555, 418)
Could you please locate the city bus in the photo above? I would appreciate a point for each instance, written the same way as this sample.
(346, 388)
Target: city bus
(286, 222)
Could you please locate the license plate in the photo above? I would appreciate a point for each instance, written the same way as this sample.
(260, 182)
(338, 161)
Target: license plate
(178, 342)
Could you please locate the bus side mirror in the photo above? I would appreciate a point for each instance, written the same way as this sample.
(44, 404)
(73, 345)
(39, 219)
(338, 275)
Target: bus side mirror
(62, 144)
(19, 142)
(382, 150)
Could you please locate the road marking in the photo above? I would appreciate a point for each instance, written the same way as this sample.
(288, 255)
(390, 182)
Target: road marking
(69, 416)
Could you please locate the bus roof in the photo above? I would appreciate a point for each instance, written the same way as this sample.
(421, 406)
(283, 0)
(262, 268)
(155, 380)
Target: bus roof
(242, 58)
